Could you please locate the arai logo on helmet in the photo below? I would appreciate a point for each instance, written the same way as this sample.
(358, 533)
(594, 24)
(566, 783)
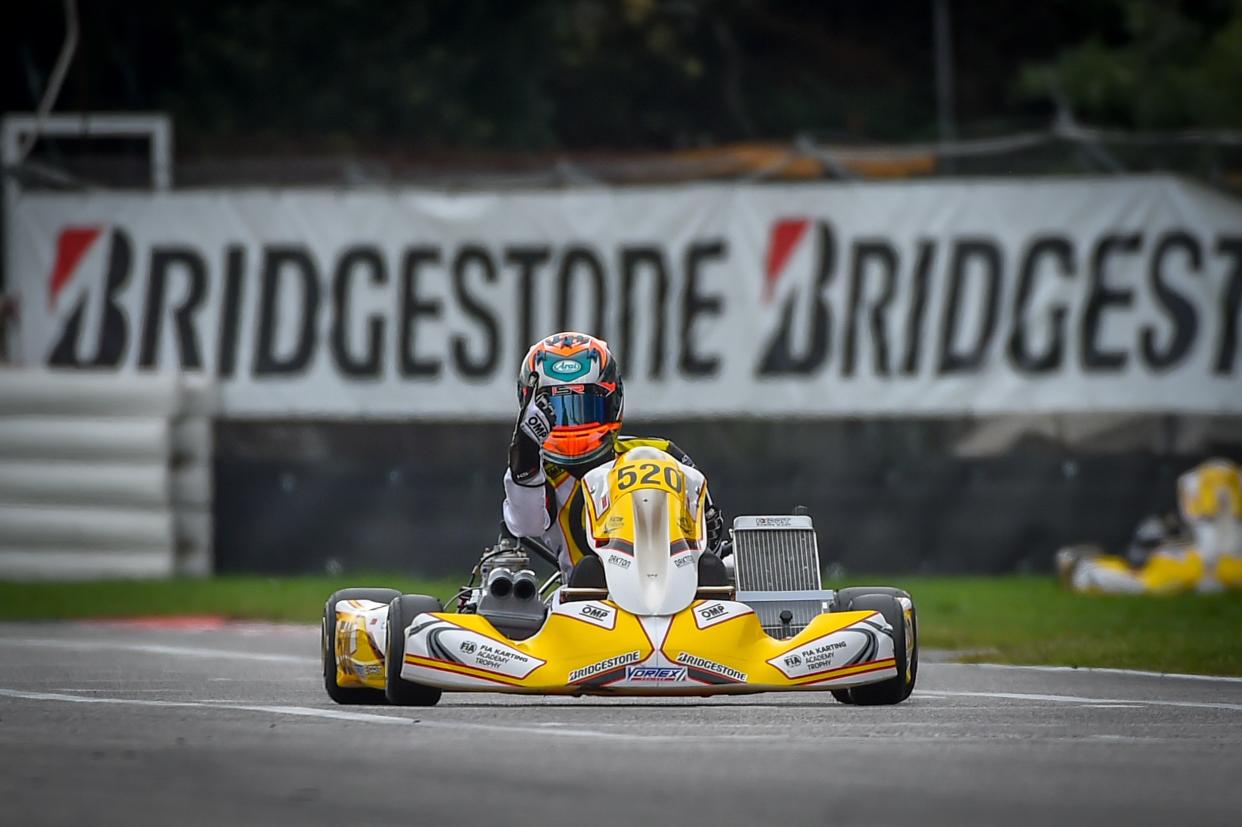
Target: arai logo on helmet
(566, 369)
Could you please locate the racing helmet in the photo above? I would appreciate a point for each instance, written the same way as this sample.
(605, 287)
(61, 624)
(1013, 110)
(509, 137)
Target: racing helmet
(1150, 535)
(581, 381)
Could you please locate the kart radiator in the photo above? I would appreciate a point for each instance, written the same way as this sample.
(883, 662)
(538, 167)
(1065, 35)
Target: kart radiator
(776, 566)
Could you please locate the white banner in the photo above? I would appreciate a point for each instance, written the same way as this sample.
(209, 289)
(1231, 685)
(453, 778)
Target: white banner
(1117, 294)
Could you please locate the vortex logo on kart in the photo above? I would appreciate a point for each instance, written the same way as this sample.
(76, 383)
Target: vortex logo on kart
(655, 673)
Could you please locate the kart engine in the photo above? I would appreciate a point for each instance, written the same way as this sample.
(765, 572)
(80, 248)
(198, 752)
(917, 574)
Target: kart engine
(509, 595)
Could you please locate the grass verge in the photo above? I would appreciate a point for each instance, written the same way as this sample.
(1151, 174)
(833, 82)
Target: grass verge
(1028, 620)
(298, 599)
(996, 619)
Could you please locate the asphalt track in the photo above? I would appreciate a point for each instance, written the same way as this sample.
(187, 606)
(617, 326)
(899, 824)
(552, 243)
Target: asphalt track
(121, 723)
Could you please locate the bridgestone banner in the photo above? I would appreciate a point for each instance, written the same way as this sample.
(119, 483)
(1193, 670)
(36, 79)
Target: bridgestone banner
(1118, 294)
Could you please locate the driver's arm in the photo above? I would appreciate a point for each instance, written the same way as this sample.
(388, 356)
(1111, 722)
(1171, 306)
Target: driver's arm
(526, 501)
(526, 507)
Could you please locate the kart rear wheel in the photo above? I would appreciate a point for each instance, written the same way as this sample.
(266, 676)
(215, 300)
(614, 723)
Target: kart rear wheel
(403, 609)
(898, 688)
(327, 647)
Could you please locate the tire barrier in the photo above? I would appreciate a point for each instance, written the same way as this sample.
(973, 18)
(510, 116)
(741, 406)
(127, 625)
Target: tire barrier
(104, 475)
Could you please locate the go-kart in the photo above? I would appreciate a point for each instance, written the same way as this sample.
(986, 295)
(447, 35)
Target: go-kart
(650, 613)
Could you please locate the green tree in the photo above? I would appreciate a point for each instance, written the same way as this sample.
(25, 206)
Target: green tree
(1175, 65)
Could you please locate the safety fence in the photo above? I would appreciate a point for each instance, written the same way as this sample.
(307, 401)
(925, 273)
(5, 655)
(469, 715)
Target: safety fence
(104, 475)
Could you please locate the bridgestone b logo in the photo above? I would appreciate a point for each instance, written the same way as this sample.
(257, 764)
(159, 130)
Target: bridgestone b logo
(603, 666)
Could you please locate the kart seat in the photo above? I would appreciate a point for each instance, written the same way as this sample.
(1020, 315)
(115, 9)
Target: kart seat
(588, 573)
(712, 571)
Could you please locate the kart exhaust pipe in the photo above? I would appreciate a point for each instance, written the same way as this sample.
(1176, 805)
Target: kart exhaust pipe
(500, 583)
(525, 587)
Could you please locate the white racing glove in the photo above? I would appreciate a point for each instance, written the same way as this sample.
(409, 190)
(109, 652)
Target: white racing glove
(533, 427)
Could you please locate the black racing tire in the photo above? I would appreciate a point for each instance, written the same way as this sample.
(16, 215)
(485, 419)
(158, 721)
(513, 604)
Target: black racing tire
(840, 603)
(843, 597)
(898, 688)
(400, 692)
(327, 647)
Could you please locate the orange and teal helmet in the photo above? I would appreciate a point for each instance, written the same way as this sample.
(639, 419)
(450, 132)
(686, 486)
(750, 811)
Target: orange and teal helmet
(579, 377)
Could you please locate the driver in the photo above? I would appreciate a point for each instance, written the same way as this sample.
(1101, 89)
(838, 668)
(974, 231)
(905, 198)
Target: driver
(570, 399)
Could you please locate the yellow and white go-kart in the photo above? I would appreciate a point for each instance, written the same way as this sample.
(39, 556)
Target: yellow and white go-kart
(652, 613)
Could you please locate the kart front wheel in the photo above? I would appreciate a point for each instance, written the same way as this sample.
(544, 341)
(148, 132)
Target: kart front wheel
(898, 688)
(327, 647)
(401, 611)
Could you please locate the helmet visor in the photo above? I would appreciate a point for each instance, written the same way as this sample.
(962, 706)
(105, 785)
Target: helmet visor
(578, 405)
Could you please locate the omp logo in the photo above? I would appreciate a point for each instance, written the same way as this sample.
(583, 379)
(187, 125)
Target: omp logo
(595, 612)
(711, 610)
(655, 673)
(537, 427)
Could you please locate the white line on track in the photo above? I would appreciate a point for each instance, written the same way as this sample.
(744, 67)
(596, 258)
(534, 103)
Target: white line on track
(85, 645)
(1100, 670)
(334, 714)
(113, 689)
(558, 731)
(202, 652)
(1075, 699)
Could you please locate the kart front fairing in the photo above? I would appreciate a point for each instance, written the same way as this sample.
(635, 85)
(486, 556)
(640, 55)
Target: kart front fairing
(596, 647)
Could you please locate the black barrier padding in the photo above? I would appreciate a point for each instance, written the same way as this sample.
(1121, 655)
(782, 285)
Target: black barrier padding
(886, 495)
